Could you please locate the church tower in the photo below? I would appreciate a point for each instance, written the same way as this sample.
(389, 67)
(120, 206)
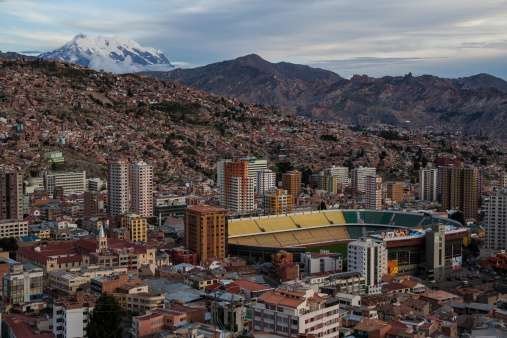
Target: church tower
(101, 240)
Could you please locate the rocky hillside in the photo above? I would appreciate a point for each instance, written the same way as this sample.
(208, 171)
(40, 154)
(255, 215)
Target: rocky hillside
(48, 105)
(476, 104)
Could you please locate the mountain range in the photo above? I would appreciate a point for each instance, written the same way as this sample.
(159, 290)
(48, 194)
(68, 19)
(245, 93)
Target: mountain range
(475, 104)
(111, 54)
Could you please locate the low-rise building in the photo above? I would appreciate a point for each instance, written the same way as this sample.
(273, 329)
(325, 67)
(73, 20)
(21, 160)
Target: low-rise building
(135, 296)
(323, 262)
(66, 282)
(21, 286)
(13, 228)
(293, 312)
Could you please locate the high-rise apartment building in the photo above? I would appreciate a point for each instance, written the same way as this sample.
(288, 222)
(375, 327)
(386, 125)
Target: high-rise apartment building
(291, 181)
(68, 181)
(266, 180)
(11, 194)
(459, 189)
(359, 176)
(495, 219)
(395, 191)
(141, 188)
(137, 227)
(428, 184)
(206, 231)
(504, 181)
(255, 165)
(221, 180)
(369, 258)
(373, 192)
(278, 201)
(118, 191)
(238, 189)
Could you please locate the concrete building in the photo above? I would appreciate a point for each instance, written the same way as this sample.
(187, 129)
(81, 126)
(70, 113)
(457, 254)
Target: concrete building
(72, 314)
(373, 192)
(206, 231)
(369, 258)
(320, 263)
(255, 166)
(141, 188)
(70, 182)
(459, 189)
(220, 183)
(94, 184)
(395, 191)
(435, 250)
(137, 227)
(66, 282)
(359, 178)
(428, 184)
(118, 191)
(135, 296)
(495, 220)
(94, 204)
(21, 286)
(13, 228)
(238, 189)
(291, 181)
(278, 201)
(11, 195)
(293, 312)
(266, 181)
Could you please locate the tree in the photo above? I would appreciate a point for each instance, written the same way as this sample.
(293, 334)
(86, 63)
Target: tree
(105, 320)
(8, 244)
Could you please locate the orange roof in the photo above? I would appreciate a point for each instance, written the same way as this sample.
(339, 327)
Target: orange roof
(249, 285)
(21, 326)
(275, 298)
(370, 325)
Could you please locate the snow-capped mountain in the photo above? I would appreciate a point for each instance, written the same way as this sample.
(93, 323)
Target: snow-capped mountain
(111, 54)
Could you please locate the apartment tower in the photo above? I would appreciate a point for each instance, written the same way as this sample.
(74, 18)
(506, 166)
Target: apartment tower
(141, 188)
(11, 195)
(206, 231)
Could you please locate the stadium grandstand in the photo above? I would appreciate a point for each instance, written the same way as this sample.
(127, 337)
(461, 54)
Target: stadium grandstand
(259, 237)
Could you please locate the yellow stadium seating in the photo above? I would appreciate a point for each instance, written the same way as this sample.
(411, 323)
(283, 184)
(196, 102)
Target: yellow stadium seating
(270, 224)
(336, 217)
(243, 227)
(286, 239)
(310, 220)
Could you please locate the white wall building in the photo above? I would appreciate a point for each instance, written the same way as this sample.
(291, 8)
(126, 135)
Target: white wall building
(428, 184)
(94, 184)
(369, 258)
(359, 176)
(316, 263)
(495, 220)
(266, 180)
(291, 312)
(71, 182)
(241, 199)
(141, 185)
(71, 316)
(373, 192)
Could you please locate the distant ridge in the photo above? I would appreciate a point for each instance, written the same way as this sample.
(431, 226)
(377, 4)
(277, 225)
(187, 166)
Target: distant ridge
(475, 104)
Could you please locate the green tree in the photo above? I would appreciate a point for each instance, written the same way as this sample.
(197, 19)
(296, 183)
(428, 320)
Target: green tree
(105, 320)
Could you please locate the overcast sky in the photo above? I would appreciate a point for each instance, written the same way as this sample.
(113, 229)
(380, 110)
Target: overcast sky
(443, 37)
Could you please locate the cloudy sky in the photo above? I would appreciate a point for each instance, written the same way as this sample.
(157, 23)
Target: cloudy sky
(443, 37)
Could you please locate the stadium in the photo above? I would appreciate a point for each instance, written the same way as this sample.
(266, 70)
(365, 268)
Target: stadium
(404, 234)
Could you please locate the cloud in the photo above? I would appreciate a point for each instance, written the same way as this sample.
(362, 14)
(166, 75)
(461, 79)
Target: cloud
(369, 35)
